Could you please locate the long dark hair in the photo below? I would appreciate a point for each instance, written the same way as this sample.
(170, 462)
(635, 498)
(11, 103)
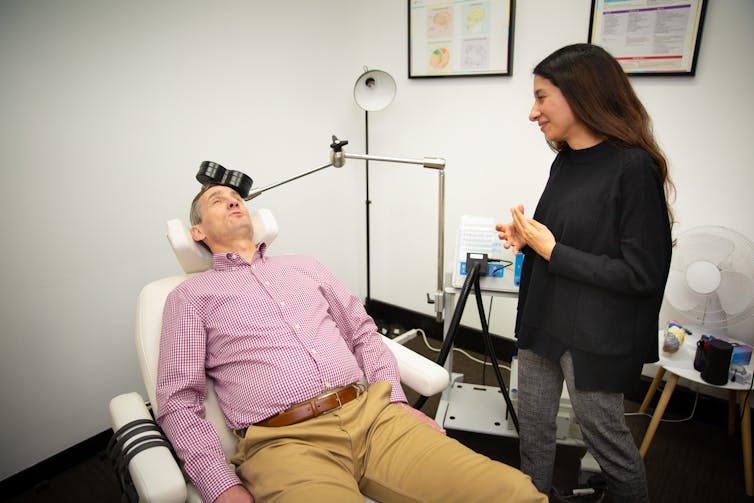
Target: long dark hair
(600, 95)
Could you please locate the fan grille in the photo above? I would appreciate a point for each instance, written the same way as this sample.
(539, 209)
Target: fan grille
(711, 281)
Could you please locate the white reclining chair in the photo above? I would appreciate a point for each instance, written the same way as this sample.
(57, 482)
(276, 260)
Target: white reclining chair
(154, 473)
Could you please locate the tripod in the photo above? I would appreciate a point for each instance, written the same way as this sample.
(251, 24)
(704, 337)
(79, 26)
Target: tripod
(472, 279)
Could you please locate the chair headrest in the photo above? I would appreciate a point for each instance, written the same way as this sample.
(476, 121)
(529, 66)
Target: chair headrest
(194, 257)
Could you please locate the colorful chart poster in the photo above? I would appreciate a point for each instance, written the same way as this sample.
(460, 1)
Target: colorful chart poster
(649, 36)
(460, 37)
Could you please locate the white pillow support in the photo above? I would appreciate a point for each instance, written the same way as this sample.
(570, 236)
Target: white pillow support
(194, 257)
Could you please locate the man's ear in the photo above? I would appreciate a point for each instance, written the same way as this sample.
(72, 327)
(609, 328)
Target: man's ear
(197, 233)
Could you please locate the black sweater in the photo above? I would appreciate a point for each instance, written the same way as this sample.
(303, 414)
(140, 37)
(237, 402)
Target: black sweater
(600, 294)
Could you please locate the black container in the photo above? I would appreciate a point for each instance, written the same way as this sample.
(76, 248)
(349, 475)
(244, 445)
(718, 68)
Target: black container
(717, 362)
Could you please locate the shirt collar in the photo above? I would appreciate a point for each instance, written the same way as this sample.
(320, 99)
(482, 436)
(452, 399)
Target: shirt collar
(230, 260)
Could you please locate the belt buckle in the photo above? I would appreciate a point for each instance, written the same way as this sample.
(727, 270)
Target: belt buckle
(337, 397)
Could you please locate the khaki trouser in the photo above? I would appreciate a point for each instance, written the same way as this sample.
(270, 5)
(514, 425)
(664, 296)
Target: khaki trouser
(374, 448)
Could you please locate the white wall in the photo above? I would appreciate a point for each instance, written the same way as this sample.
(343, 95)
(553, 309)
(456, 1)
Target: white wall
(107, 108)
(496, 158)
(106, 111)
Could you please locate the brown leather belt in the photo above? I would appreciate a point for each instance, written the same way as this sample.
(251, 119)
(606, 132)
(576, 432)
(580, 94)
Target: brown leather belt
(322, 404)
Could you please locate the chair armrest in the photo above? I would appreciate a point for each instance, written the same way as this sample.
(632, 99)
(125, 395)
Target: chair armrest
(154, 471)
(417, 372)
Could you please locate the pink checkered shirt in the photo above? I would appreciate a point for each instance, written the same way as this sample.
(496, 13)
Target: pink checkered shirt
(271, 334)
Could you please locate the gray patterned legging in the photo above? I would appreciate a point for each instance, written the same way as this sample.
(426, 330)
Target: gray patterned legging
(600, 416)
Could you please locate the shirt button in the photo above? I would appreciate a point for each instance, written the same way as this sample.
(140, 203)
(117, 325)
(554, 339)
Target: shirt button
(282, 304)
(327, 384)
(266, 283)
(296, 326)
(314, 352)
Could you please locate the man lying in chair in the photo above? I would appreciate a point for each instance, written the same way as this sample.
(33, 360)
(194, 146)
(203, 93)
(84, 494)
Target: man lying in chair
(287, 346)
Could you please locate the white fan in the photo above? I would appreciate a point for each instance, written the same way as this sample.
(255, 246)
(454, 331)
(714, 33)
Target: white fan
(711, 280)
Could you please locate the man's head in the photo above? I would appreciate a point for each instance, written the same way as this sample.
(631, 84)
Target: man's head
(220, 220)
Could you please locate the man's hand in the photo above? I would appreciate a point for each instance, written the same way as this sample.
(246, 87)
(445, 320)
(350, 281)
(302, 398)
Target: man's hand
(421, 416)
(236, 494)
(536, 235)
(510, 235)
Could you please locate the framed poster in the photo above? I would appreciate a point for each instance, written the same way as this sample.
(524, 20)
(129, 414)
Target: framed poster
(460, 38)
(649, 37)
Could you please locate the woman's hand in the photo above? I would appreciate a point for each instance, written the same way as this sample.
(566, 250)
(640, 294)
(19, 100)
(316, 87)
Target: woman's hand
(536, 235)
(509, 234)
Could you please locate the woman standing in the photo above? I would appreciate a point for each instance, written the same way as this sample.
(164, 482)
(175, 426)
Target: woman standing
(597, 254)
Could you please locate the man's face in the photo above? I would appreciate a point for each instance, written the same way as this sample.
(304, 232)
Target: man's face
(225, 217)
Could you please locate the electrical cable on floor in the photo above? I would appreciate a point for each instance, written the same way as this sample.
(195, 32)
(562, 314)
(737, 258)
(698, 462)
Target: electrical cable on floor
(467, 355)
(689, 418)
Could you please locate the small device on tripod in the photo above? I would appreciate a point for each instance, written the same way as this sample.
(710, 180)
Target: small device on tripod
(475, 262)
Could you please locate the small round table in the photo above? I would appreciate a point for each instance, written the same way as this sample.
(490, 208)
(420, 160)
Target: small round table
(681, 364)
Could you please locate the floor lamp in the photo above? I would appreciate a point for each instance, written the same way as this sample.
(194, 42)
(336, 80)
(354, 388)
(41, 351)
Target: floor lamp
(374, 90)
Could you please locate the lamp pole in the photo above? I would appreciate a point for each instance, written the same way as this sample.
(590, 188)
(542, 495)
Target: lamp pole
(374, 90)
(367, 203)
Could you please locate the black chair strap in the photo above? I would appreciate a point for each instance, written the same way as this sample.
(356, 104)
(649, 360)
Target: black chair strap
(136, 447)
(127, 432)
(129, 440)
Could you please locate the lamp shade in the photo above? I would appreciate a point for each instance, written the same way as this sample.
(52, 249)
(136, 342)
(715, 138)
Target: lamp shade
(374, 90)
